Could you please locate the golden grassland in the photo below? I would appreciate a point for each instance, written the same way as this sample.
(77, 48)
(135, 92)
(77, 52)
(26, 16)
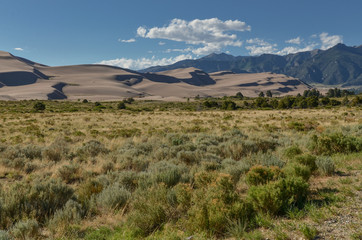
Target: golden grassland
(157, 156)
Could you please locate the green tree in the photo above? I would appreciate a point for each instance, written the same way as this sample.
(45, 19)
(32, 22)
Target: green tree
(261, 94)
(121, 105)
(39, 106)
(239, 95)
(269, 93)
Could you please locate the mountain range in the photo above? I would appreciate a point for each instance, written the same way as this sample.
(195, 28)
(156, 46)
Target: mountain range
(340, 65)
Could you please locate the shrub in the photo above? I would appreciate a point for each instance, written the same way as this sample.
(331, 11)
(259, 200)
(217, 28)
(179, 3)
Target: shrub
(113, 197)
(152, 208)
(71, 213)
(213, 203)
(308, 232)
(261, 175)
(276, 197)
(167, 173)
(92, 148)
(4, 235)
(28, 229)
(88, 189)
(38, 200)
(69, 173)
(188, 157)
(39, 106)
(335, 143)
(56, 151)
(297, 170)
(292, 151)
(121, 105)
(32, 152)
(325, 165)
(307, 160)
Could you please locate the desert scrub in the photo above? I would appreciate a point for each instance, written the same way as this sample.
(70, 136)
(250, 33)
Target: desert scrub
(276, 197)
(292, 151)
(28, 229)
(335, 143)
(92, 149)
(258, 175)
(38, 200)
(307, 160)
(57, 151)
(71, 213)
(325, 165)
(151, 209)
(69, 173)
(113, 197)
(214, 203)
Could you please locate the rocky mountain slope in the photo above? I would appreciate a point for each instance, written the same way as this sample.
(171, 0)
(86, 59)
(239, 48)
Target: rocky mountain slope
(339, 65)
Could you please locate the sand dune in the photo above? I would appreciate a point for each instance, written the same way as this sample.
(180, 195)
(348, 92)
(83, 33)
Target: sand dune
(23, 79)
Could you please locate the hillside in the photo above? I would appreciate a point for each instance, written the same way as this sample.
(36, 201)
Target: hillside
(23, 79)
(339, 65)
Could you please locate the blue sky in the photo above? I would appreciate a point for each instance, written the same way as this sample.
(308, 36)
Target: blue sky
(137, 34)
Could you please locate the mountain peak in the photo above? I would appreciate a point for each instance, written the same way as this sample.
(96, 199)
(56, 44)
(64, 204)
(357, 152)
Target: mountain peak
(219, 57)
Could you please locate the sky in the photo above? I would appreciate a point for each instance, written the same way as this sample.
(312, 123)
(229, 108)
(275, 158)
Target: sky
(138, 34)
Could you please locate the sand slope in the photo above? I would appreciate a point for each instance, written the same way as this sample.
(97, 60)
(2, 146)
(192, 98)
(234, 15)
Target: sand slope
(24, 79)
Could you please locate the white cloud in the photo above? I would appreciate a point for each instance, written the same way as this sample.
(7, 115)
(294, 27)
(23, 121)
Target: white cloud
(143, 63)
(260, 47)
(161, 43)
(289, 49)
(329, 41)
(141, 31)
(18, 49)
(297, 41)
(127, 40)
(212, 33)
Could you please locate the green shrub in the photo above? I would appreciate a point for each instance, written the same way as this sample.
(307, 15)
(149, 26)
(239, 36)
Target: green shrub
(151, 209)
(167, 173)
(39, 106)
(92, 149)
(71, 213)
(309, 232)
(307, 160)
(258, 175)
(57, 151)
(325, 165)
(89, 188)
(32, 152)
(121, 105)
(297, 170)
(4, 235)
(69, 173)
(335, 143)
(188, 157)
(38, 200)
(213, 203)
(113, 197)
(292, 151)
(276, 197)
(28, 229)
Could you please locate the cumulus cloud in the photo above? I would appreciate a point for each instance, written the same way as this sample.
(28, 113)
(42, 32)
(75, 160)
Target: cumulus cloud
(259, 46)
(290, 50)
(296, 40)
(18, 49)
(141, 31)
(127, 40)
(212, 33)
(329, 41)
(142, 63)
